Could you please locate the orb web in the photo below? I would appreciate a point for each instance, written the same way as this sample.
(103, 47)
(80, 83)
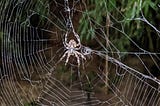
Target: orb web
(35, 35)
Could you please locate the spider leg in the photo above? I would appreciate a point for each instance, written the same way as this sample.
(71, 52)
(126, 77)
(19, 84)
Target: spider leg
(69, 54)
(78, 61)
(81, 55)
(77, 37)
(78, 45)
(63, 56)
(65, 41)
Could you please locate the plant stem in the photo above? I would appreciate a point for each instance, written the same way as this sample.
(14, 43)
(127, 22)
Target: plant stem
(106, 58)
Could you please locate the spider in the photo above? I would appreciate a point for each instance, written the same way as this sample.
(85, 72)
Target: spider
(72, 50)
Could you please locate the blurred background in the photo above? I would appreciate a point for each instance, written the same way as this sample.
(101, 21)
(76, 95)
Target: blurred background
(122, 69)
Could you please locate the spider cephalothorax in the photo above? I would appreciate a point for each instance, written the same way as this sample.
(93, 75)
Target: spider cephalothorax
(72, 49)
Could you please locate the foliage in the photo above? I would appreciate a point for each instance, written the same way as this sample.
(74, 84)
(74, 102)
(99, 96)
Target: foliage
(123, 11)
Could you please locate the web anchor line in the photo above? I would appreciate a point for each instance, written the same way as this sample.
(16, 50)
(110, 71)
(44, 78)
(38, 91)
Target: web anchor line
(69, 23)
(73, 46)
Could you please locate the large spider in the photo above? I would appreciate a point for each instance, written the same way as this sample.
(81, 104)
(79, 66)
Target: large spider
(72, 50)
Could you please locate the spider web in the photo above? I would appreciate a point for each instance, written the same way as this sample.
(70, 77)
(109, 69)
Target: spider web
(32, 36)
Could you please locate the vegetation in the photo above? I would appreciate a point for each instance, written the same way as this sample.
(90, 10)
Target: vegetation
(124, 12)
